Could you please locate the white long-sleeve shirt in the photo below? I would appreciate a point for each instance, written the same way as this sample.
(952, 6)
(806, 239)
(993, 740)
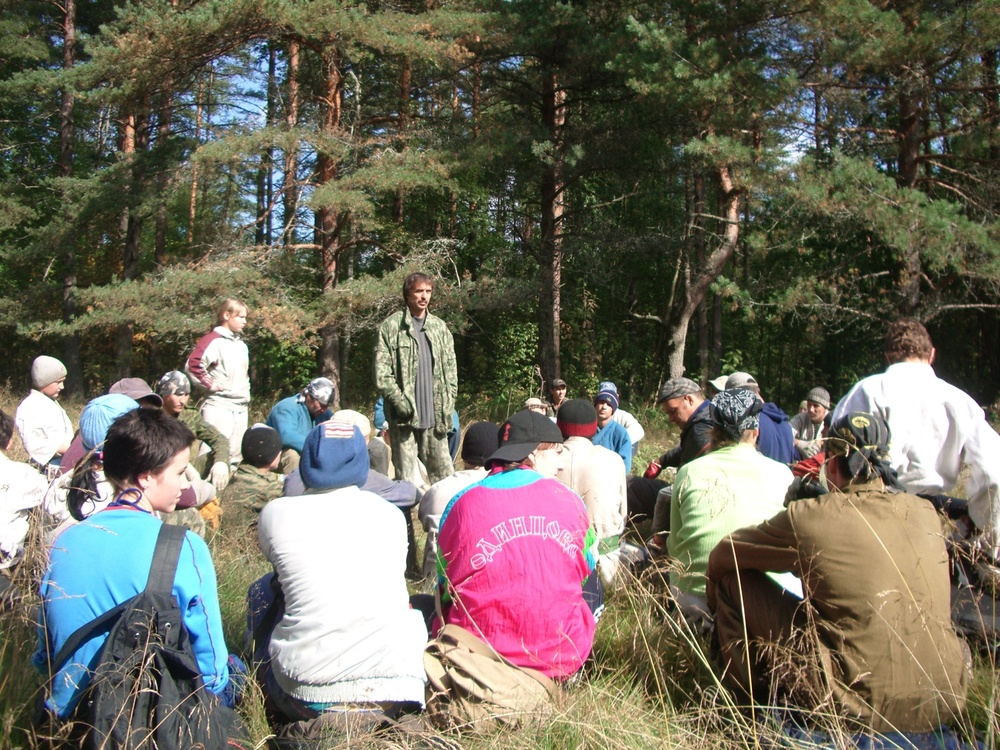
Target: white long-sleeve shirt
(935, 428)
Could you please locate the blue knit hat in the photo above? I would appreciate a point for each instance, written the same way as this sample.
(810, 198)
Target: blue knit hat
(609, 397)
(98, 415)
(334, 455)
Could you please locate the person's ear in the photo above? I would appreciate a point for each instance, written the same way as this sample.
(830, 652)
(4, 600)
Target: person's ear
(930, 359)
(143, 480)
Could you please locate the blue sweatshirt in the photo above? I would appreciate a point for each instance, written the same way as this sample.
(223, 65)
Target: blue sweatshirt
(103, 561)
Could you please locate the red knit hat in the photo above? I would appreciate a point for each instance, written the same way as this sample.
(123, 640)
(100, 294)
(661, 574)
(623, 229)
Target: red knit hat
(577, 418)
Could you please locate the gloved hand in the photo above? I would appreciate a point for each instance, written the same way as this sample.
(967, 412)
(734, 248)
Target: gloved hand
(218, 475)
(653, 470)
(191, 474)
(808, 450)
(211, 511)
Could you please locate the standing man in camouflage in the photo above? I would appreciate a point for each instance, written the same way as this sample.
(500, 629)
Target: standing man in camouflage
(415, 372)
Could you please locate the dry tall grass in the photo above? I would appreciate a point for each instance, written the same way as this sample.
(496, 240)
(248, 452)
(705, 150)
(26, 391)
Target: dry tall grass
(649, 684)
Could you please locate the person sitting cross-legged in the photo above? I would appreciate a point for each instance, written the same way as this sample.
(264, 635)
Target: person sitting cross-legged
(872, 642)
(724, 490)
(294, 417)
(346, 646)
(256, 481)
(516, 551)
(479, 443)
(105, 560)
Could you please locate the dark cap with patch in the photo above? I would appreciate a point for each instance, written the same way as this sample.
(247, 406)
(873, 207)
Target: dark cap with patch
(521, 434)
(862, 438)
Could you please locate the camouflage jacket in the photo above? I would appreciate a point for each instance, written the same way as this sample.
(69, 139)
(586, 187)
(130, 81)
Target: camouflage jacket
(204, 433)
(396, 369)
(251, 488)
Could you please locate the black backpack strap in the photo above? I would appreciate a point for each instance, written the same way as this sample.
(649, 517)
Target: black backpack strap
(101, 624)
(161, 578)
(163, 569)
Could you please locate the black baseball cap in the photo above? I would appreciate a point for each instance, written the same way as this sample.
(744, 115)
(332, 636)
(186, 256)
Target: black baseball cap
(521, 434)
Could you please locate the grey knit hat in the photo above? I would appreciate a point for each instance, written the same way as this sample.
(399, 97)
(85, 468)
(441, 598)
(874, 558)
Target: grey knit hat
(819, 396)
(45, 371)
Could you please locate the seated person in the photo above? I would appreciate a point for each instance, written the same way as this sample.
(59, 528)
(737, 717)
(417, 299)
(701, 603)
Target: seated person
(939, 433)
(635, 430)
(210, 453)
(683, 401)
(256, 481)
(104, 560)
(775, 433)
(43, 424)
(536, 404)
(348, 639)
(85, 490)
(609, 433)
(479, 443)
(136, 389)
(729, 488)
(294, 417)
(809, 426)
(514, 551)
(21, 490)
(873, 640)
(404, 495)
(598, 477)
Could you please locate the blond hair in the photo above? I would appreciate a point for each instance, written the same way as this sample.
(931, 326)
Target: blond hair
(230, 305)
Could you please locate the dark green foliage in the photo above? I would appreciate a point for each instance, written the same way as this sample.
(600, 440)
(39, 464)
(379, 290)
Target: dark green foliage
(419, 141)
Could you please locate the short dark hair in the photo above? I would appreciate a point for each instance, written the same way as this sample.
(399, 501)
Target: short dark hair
(417, 277)
(907, 339)
(141, 441)
(6, 429)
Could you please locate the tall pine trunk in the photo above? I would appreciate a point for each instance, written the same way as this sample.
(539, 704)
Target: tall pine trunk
(550, 246)
(71, 342)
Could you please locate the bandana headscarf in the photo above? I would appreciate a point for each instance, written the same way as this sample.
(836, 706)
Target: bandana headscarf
(736, 412)
(863, 439)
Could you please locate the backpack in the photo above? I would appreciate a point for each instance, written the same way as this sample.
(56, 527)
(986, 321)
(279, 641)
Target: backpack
(146, 689)
(470, 686)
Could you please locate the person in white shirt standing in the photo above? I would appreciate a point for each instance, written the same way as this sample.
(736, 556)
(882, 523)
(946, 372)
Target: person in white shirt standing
(936, 428)
(43, 424)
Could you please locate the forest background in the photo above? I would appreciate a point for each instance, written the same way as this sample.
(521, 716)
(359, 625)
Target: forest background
(620, 190)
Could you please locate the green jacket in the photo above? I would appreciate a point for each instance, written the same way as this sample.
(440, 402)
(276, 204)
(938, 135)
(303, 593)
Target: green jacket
(204, 433)
(396, 369)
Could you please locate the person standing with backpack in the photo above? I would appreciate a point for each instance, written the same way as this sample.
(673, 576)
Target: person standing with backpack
(105, 560)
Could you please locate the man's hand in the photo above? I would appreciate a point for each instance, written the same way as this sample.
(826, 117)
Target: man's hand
(653, 470)
(404, 410)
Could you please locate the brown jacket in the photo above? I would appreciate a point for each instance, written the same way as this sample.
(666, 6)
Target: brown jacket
(875, 570)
